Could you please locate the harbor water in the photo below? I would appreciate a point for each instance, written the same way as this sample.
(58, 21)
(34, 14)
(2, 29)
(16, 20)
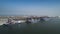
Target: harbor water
(50, 26)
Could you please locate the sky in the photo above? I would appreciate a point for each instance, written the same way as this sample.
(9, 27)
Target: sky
(30, 7)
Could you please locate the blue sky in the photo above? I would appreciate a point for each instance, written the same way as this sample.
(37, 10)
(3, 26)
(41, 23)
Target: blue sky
(30, 7)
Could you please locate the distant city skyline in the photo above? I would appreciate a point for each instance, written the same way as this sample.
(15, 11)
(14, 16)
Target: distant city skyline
(30, 7)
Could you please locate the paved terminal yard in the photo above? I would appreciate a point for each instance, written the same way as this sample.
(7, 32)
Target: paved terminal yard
(48, 27)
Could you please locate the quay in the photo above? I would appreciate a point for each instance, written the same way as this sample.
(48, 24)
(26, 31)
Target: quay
(26, 20)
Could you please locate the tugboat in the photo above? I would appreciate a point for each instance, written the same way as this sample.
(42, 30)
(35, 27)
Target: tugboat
(41, 19)
(27, 21)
